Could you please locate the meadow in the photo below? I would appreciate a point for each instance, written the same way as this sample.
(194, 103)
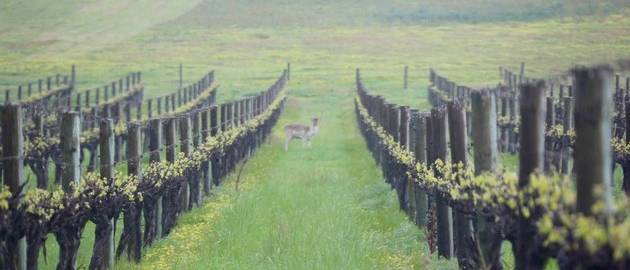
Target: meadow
(324, 207)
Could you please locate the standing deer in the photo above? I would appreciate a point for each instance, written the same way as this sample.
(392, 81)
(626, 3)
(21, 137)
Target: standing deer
(303, 132)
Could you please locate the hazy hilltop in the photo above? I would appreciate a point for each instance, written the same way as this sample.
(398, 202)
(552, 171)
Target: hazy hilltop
(43, 23)
(371, 12)
(65, 24)
(44, 36)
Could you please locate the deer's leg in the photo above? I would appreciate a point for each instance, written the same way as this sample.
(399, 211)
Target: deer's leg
(308, 143)
(304, 140)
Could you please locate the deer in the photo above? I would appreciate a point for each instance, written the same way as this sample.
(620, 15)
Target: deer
(306, 133)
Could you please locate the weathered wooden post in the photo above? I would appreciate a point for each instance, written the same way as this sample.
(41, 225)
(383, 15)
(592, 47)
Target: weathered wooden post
(550, 120)
(179, 97)
(486, 153)
(465, 241)
(592, 156)
(421, 196)
(403, 130)
(186, 148)
(410, 189)
(70, 144)
(139, 111)
(196, 185)
(625, 165)
(132, 237)
(228, 116)
(13, 155)
(531, 159)
(512, 140)
(170, 201)
(215, 128)
(504, 114)
(223, 117)
(205, 135)
(103, 250)
(159, 106)
(214, 121)
(153, 206)
(105, 93)
(236, 113)
(567, 126)
(149, 108)
(444, 212)
(114, 89)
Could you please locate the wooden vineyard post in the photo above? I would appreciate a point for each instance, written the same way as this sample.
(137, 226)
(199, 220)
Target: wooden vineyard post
(153, 211)
(531, 159)
(71, 149)
(196, 184)
(214, 121)
(465, 244)
(13, 173)
(443, 210)
(403, 129)
(512, 140)
(186, 148)
(567, 126)
(215, 127)
(504, 114)
(236, 113)
(486, 153)
(103, 251)
(592, 156)
(131, 238)
(229, 116)
(170, 201)
(626, 164)
(179, 97)
(410, 189)
(206, 166)
(40, 166)
(248, 116)
(550, 120)
(159, 106)
(421, 196)
(118, 140)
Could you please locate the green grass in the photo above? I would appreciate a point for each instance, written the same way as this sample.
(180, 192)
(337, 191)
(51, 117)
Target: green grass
(320, 208)
(305, 207)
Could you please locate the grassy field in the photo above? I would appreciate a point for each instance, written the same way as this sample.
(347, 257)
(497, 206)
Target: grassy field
(324, 207)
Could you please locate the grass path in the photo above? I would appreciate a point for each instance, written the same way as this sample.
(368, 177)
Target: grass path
(319, 208)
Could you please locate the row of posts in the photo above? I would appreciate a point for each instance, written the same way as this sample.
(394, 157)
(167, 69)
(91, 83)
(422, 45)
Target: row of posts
(194, 128)
(429, 135)
(83, 99)
(169, 103)
(25, 91)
